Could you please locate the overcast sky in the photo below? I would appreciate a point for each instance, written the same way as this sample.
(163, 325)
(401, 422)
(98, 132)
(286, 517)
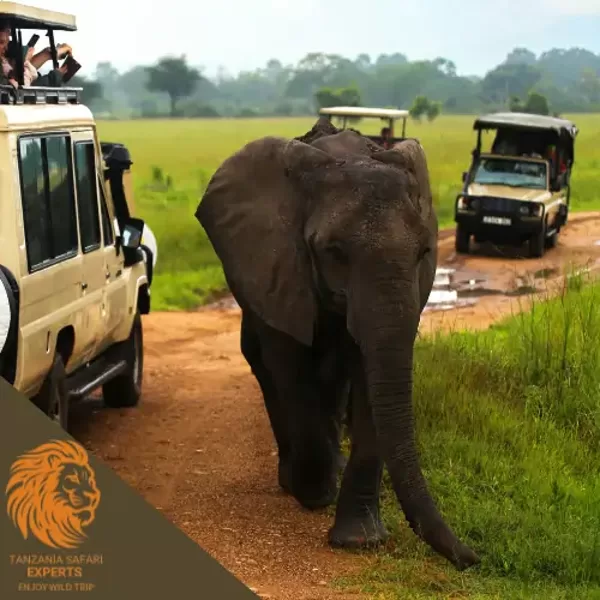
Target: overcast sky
(244, 34)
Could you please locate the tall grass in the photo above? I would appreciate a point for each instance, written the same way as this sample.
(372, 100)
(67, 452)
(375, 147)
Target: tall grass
(509, 429)
(174, 160)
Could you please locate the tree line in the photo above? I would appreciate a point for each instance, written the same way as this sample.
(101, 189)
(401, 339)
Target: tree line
(556, 81)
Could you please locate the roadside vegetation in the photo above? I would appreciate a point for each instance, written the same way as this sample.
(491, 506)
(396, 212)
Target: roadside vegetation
(174, 160)
(509, 429)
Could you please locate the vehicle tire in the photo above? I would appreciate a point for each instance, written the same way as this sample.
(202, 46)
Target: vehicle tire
(125, 390)
(8, 328)
(537, 243)
(552, 240)
(462, 239)
(53, 397)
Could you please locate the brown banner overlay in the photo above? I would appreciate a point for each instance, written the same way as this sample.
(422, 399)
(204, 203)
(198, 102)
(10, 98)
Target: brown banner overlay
(69, 525)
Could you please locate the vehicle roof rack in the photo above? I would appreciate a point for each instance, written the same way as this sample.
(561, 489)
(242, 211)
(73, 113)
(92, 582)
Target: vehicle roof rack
(39, 95)
(364, 111)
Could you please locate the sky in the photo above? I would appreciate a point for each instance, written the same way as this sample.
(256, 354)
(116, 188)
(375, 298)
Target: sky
(245, 34)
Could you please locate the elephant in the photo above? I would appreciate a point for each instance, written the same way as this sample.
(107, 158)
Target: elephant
(328, 243)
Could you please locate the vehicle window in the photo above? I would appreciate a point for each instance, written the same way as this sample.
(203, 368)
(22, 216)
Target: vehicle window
(87, 196)
(62, 205)
(109, 238)
(514, 173)
(47, 199)
(35, 210)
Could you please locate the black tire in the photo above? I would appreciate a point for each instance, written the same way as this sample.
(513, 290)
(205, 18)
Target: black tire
(53, 397)
(462, 240)
(537, 243)
(125, 390)
(552, 240)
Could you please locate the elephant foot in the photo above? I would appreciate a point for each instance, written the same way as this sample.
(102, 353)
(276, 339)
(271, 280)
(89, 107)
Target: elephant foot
(310, 496)
(312, 482)
(358, 533)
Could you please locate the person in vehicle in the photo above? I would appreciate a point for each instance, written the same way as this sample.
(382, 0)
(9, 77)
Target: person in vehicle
(31, 62)
(386, 137)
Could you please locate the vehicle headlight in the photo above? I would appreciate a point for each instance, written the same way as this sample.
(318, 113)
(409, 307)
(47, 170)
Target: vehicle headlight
(524, 209)
(537, 210)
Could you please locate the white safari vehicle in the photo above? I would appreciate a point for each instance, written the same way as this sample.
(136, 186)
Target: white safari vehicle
(389, 115)
(75, 275)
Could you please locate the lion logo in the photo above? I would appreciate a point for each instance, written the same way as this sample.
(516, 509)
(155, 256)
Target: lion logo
(52, 494)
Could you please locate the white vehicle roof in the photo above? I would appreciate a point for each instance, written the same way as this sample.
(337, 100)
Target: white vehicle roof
(31, 17)
(362, 111)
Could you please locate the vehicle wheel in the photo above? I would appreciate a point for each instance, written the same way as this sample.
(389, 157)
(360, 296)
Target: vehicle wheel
(552, 240)
(462, 240)
(53, 397)
(125, 390)
(537, 243)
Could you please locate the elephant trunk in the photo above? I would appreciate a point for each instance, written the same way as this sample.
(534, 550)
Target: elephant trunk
(387, 347)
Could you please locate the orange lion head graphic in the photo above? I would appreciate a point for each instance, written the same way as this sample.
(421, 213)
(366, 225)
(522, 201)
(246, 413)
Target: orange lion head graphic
(52, 494)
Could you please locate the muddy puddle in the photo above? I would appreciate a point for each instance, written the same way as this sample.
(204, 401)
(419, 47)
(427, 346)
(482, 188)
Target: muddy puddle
(452, 289)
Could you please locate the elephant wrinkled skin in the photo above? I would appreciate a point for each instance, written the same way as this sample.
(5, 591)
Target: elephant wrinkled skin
(328, 244)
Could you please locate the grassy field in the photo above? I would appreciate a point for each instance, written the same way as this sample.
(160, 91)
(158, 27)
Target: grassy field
(173, 161)
(514, 464)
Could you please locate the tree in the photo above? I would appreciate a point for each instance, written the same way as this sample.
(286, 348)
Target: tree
(348, 96)
(537, 104)
(173, 76)
(521, 56)
(92, 89)
(515, 104)
(419, 107)
(433, 110)
(509, 80)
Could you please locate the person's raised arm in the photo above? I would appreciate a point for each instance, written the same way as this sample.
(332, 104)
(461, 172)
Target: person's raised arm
(46, 54)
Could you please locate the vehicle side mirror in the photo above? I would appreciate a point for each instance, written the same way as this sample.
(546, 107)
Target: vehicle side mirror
(464, 176)
(132, 233)
(131, 239)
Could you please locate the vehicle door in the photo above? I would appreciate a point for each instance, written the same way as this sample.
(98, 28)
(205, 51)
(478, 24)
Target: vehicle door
(115, 286)
(88, 208)
(52, 298)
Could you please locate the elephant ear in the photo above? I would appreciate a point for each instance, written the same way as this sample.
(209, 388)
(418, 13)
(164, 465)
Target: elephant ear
(409, 157)
(253, 214)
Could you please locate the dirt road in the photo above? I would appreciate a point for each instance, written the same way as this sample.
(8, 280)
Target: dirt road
(199, 446)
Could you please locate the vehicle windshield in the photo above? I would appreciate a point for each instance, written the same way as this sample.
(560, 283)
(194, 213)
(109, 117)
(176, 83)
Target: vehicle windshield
(511, 172)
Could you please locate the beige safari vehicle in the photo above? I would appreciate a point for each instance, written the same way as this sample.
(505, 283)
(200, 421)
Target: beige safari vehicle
(386, 137)
(519, 191)
(74, 274)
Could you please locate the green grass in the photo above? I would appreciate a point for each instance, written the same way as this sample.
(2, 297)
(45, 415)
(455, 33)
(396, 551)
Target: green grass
(189, 151)
(509, 429)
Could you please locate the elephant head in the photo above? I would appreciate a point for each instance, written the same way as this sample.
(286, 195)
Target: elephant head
(342, 224)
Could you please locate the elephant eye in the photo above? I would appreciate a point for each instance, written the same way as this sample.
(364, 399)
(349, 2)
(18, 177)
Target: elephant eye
(424, 252)
(336, 251)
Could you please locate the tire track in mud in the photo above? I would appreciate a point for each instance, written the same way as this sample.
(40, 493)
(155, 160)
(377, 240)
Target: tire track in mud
(200, 449)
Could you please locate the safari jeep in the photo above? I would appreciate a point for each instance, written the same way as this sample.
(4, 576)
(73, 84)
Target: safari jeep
(74, 274)
(347, 113)
(519, 191)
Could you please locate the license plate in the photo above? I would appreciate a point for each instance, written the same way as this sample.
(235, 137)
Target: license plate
(497, 220)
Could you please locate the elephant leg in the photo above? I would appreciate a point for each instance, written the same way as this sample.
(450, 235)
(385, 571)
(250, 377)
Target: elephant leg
(357, 520)
(334, 398)
(251, 349)
(311, 472)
